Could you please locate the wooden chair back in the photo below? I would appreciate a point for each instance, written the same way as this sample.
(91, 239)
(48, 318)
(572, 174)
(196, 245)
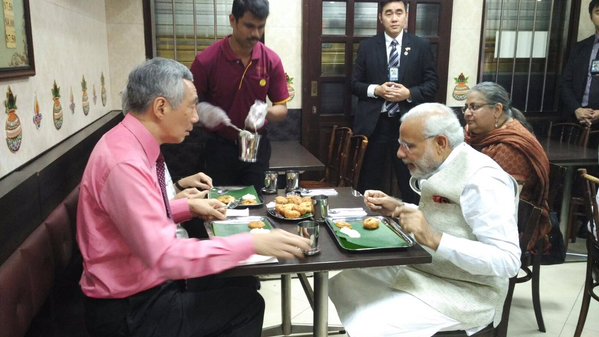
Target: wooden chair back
(570, 133)
(557, 176)
(490, 331)
(593, 139)
(528, 220)
(589, 188)
(528, 223)
(338, 145)
(352, 160)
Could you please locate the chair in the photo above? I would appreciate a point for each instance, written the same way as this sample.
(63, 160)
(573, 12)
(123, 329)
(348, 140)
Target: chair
(570, 133)
(528, 221)
(589, 187)
(577, 134)
(593, 139)
(489, 331)
(338, 145)
(352, 161)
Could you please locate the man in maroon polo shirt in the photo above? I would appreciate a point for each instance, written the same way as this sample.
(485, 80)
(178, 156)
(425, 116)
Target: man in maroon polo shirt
(231, 75)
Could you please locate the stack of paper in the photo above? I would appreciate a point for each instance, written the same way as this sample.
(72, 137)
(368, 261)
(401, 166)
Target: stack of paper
(347, 212)
(238, 212)
(322, 191)
(257, 259)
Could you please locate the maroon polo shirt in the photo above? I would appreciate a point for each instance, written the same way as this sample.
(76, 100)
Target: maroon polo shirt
(221, 79)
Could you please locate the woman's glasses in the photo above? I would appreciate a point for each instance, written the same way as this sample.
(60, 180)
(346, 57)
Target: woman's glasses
(473, 107)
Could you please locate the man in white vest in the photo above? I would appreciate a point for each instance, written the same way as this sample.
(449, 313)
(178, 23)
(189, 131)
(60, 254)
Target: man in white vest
(466, 220)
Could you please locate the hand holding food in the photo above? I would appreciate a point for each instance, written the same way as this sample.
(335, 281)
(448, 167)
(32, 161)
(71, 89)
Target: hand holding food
(190, 193)
(207, 209)
(412, 220)
(380, 202)
(281, 244)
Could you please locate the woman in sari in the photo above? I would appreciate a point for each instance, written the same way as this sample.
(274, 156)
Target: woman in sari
(500, 131)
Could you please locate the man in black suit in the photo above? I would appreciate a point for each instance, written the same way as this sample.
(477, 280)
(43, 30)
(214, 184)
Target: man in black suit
(387, 88)
(580, 79)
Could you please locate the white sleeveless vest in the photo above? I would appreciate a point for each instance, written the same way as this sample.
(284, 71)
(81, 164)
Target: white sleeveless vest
(474, 300)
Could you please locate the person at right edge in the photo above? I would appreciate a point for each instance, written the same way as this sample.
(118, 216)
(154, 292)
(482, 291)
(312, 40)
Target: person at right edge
(393, 72)
(580, 79)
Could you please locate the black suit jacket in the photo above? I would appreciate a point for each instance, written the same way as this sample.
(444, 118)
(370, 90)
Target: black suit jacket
(574, 77)
(417, 71)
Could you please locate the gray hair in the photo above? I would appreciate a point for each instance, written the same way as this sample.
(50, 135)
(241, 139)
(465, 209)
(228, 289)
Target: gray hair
(439, 120)
(494, 94)
(158, 77)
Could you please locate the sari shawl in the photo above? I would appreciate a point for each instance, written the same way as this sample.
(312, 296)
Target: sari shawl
(521, 155)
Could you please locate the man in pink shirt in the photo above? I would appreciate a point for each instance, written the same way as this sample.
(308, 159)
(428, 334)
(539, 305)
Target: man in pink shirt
(132, 260)
(231, 75)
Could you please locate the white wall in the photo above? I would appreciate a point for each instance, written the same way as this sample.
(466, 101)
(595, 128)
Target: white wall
(69, 42)
(126, 47)
(586, 27)
(465, 41)
(284, 35)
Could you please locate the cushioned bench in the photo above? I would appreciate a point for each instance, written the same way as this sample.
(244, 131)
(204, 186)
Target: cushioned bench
(39, 291)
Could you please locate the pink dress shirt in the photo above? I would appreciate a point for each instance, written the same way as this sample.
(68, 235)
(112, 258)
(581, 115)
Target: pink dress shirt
(127, 241)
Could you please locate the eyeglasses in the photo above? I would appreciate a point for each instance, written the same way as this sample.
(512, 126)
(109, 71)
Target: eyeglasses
(474, 107)
(406, 147)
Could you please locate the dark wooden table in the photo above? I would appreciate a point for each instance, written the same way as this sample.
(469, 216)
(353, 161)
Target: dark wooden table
(291, 155)
(570, 156)
(330, 258)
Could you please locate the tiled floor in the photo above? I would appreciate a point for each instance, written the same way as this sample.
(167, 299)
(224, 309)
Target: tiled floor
(561, 289)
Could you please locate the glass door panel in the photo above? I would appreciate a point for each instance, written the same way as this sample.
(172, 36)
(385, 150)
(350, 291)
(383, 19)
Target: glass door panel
(427, 20)
(333, 17)
(365, 18)
(333, 59)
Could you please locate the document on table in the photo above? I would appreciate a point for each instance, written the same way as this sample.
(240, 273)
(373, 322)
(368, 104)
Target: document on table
(258, 259)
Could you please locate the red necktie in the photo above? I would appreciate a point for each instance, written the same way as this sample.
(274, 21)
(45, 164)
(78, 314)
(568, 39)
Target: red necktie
(161, 181)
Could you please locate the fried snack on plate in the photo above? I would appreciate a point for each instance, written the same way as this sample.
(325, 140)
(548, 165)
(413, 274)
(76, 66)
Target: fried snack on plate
(296, 199)
(226, 199)
(291, 214)
(249, 202)
(281, 200)
(256, 224)
(371, 223)
(341, 224)
(304, 208)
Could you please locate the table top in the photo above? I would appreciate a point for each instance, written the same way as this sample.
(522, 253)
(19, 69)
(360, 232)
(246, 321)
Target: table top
(291, 155)
(331, 257)
(569, 154)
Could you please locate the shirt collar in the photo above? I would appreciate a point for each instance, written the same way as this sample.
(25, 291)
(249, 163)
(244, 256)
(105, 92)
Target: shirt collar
(143, 135)
(388, 39)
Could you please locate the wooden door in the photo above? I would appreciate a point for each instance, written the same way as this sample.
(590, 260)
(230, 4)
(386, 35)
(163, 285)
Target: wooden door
(332, 33)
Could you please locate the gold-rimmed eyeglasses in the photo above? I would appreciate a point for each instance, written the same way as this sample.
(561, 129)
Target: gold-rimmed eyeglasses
(473, 107)
(406, 147)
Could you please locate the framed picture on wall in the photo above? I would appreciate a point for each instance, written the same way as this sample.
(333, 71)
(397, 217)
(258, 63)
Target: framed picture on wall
(16, 47)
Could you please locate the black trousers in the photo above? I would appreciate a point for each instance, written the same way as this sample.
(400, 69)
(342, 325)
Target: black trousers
(215, 307)
(382, 149)
(225, 168)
